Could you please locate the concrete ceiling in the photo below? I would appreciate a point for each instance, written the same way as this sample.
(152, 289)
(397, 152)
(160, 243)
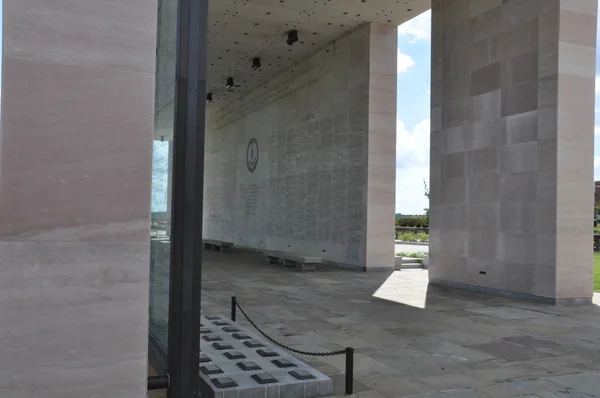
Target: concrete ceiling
(240, 30)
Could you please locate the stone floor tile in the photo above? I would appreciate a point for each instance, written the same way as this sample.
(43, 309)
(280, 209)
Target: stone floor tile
(364, 394)
(362, 363)
(509, 351)
(448, 381)
(587, 383)
(532, 342)
(411, 329)
(394, 386)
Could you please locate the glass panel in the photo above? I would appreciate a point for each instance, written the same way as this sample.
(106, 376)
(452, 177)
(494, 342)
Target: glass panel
(162, 166)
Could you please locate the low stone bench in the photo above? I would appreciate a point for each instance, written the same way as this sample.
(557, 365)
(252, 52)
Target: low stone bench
(218, 245)
(302, 263)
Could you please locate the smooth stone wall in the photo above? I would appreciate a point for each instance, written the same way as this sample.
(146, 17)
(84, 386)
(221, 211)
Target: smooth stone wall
(324, 183)
(512, 141)
(75, 156)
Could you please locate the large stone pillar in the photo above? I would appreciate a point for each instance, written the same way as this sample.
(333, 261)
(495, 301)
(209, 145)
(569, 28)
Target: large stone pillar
(512, 146)
(76, 151)
(381, 157)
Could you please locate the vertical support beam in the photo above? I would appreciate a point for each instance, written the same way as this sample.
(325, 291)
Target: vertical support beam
(512, 147)
(381, 143)
(187, 196)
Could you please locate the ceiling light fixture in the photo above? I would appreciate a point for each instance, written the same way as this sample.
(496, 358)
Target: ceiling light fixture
(229, 83)
(292, 37)
(256, 63)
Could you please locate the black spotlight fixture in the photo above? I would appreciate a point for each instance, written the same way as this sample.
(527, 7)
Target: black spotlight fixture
(292, 37)
(209, 98)
(229, 83)
(256, 63)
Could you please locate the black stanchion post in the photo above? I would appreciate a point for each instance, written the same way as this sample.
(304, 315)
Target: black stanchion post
(349, 370)
(233, 307)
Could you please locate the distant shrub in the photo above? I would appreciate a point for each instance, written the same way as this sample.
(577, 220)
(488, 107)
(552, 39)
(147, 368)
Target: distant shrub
(412, 221)
(413, 237)
(411, 255)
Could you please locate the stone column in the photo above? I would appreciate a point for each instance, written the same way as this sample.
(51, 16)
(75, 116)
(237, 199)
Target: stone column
(381, 160)
(512, 146)
(76, 154)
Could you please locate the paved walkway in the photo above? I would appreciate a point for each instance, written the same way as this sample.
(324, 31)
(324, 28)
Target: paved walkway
(413, 340)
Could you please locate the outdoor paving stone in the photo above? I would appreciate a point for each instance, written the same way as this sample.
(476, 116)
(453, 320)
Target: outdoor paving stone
(290, 304)
(532, 342)
(509, 351)
(230, 329)
(448, 381)
(510, 313)
(362, 363)
(396, 386)
(568, 393)
(588, 383)
(363, 394)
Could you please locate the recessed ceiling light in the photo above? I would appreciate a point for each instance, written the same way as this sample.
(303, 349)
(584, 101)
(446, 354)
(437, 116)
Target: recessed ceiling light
(292, 37)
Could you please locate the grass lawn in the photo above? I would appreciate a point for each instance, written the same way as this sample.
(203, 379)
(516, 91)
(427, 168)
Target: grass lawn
(597, 272)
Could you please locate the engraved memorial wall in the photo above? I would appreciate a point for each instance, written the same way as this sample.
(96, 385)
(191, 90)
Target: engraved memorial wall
(307, 191)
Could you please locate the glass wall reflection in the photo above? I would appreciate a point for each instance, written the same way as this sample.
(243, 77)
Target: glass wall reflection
(162, 166)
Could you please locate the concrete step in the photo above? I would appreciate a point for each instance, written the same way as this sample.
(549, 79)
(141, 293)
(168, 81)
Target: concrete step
(408, 263)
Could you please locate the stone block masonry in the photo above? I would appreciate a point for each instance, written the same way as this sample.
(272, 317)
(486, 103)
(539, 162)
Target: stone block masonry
(322, 141)
(512, 140)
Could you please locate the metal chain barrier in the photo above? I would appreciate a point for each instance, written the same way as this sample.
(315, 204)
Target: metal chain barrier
(349, 352)
(288, 348)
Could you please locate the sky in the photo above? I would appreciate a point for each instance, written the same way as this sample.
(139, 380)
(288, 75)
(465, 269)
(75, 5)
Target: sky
(412, 129)
(412, 154)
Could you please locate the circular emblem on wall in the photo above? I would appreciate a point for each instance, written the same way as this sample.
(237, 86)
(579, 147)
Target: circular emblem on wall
(252, 155)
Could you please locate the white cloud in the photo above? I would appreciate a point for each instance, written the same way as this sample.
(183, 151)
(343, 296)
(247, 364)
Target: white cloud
(596, 130)
(412, 167)
(597, 84)
(404, 62)
(418, 28)
(596, 170)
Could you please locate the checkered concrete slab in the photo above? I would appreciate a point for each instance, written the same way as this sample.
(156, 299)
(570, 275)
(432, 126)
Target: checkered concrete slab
(237, 363)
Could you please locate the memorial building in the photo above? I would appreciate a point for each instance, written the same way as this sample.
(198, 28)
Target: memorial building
(132, 130)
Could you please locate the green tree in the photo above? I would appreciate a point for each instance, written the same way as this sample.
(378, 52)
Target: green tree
(427, 196)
